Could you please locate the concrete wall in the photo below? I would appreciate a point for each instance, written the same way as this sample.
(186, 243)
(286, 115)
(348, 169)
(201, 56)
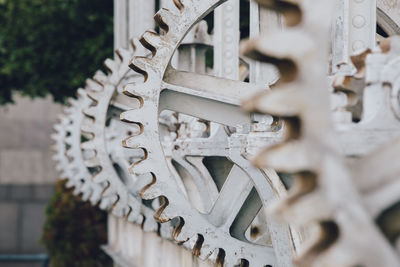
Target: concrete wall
(25, 128)
(27, 173)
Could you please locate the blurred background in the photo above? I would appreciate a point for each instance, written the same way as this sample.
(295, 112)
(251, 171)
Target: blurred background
(47, 50)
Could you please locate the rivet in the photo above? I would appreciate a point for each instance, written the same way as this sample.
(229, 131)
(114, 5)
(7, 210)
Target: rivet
(358, 21)
(358, 45)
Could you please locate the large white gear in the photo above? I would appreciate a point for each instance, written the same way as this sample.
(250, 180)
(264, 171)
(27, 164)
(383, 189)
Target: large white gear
(109, 159)
(325, 193)
(208, 98)
(80, 173)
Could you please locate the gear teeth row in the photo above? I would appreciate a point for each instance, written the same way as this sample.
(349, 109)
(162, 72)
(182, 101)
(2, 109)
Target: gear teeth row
(135, 142)
(298, 153)
(141, 65)
(141, 167)
(152, 41)
(101, 78)
(308, 154)
(114, 197)
(152, 69)
(284, 102)
(141, 91)
(276, 49)
(93, 85)
(164, 18)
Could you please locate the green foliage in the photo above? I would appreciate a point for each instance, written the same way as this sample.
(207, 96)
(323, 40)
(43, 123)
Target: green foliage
(52, 46)
(74, 231)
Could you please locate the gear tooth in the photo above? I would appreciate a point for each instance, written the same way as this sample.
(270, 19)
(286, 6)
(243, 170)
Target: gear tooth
(55, 158)
(140, 65)
(94, 199)
(71, 110)
(164, 18)
(119, 209)
(91, 112)
(72, 102)
(100, 177)
(207, 250)
(69, 128)
(105, 204)
(81, 93)
(180, 234)
(76, 191)
(69, 140)
(87, 127)
(58, 127)
(166, 214)
(69, 184)
(124, 54)
(289, 157)
(93, 85)
(192, 244)
(93, 162)
(109, 191)
(111, 65)
(281, 101)
(152, 41)
(54, 136)
(139, 90)
(131, 116)
(202, 249)
(85, 196)
(133, 214)
(70, 153)
(95, 95)
(137, 141)
(135, 217)
(151, 192)
(100, 77)
(88, 145)
(96, 196)
(141, 167)
(277, 49)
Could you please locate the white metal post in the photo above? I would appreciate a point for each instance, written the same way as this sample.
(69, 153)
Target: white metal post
(120, 24)
(226, 40)
(140, 16)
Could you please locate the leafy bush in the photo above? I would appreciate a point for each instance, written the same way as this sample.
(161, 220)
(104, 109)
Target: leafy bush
(74, 231)
(52, 46)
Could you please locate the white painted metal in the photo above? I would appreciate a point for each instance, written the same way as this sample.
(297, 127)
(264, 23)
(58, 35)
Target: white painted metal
(362, 21)
(363, 189)
(120, 24)
(324, 193)
(263, 21)
(140, 16)
(226, 40)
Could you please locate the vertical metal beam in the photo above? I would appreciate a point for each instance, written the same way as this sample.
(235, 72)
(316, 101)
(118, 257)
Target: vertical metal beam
(362, 24)
(340, 35)
(262, 21)
(140, 16)
(120, 24)
(226, 40)
(353, 29)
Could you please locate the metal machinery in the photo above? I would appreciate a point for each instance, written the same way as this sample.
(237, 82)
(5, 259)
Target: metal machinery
(277, 156)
